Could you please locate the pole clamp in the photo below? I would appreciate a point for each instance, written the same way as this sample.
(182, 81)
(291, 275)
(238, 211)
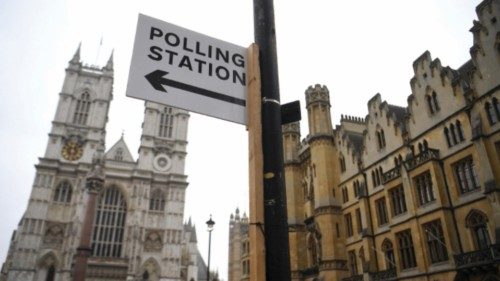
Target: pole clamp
(266, 100)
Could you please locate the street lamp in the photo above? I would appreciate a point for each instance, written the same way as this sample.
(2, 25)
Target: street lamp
(210, 227)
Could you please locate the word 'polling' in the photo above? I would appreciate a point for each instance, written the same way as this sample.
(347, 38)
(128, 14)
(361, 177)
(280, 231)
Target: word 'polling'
(196, 56)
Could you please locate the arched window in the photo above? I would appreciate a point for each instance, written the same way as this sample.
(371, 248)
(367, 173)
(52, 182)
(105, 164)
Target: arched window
(119, 154)
(381, 173)
(453, 134)
(477, 222)
(446, 134)
(145, 276)
(380, 138)
(51, 273)
(406, 250)
(460, 131)
(420, 148)
(496, 106)
(435, 101)
(82, 109)
(166, 123)
(388, 249)
(435, 241)
(490, 112)
(374, 180)
(312, 250)
(342, 163)
(63, 192)
(353, 264)
(426, 145)
(429, 104)
(109, 224)
(157, 201)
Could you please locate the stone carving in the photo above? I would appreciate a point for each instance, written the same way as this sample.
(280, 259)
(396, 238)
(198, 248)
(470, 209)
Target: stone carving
(153, 242)
(54, 235)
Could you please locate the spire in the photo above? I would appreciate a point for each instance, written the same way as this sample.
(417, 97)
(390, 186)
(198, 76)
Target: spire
(76, 56)
(109, 65)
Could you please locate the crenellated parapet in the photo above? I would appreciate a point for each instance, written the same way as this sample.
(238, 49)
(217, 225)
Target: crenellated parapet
(317, 94)
(352, 119)
(291, 128)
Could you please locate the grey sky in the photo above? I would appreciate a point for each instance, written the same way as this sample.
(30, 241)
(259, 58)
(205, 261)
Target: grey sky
(356, 48)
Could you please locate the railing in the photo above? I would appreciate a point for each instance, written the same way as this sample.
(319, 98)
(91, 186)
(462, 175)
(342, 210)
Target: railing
(358, 277)
(490, 255)
(391, 174)
(383, 275)
(424, 156)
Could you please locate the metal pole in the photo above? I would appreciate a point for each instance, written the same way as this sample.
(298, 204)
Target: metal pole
(275, 214)
(209, 242)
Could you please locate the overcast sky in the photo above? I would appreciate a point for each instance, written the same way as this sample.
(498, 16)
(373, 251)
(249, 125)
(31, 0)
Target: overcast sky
(356, 48)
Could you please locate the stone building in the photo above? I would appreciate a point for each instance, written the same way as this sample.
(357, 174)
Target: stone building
(238, 258)
(138, 230)
(405, 193)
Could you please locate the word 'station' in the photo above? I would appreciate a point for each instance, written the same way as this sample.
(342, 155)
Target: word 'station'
(197, 62)
(185, 69)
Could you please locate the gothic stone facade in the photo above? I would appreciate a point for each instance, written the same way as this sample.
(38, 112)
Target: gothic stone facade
(239, 250)
(405, 193)
(138, 231)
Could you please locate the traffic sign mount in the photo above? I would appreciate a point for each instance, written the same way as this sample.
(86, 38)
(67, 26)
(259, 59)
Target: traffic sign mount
(185, 69)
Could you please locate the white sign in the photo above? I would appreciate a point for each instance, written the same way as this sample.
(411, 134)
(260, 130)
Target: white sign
(185, 69)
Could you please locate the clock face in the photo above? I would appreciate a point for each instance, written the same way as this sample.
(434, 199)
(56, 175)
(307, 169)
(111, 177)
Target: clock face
(72, 151)
(162, 163)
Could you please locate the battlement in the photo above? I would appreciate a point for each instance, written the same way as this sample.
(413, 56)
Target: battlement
(352, 119)
(291, 128)
(317, 93)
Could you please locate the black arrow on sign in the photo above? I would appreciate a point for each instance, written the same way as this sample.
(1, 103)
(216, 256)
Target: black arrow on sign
(157, 80)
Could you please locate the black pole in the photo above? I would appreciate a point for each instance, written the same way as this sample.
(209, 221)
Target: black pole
(275, 214)
(208, 265)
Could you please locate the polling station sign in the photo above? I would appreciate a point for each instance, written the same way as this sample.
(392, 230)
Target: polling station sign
(185, 69)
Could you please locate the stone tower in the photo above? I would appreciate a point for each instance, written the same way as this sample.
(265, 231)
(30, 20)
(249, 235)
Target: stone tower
(323, 209)
(296, 192)
(138, 230)
(238, 267)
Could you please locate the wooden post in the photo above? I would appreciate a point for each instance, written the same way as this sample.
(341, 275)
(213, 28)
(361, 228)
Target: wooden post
(256, 168)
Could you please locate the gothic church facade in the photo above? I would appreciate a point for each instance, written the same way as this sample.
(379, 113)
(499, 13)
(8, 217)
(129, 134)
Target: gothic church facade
(138, 231)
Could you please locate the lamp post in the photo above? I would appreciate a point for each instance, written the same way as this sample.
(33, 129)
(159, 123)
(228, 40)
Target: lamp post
(210, 227)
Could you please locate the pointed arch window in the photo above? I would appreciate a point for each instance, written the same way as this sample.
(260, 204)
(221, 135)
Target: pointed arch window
(109, 224)
(406, 250)
(432, 102)
(496, 106)
(492, 111)
(166, 123)
(157, 200)
(312, 250)
(388, 249)
(435, 241)
(477, 222)
(460, 131)
(465, 175)
(82, 109)
(380, 138)
(453, 134)
(63, 192)
(353, 265)
(342, 163)
(446, 134)
(51, 273)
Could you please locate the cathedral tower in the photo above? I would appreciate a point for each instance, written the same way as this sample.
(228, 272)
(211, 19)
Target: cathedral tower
(138, 231)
